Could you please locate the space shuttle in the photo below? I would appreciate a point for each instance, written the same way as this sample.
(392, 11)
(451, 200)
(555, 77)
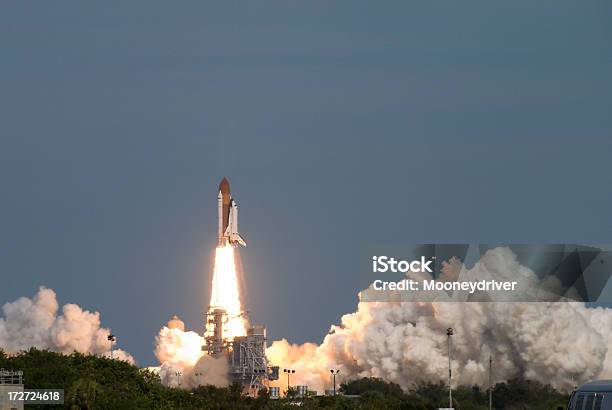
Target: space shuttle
(228, 217)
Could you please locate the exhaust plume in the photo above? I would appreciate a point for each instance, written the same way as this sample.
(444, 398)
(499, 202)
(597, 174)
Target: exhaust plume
(560, 343)
(225, 291)
(36, 323)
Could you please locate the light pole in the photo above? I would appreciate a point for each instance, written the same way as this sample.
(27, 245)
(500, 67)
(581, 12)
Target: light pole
(449, 333)
(112, 339)
(334, 373)
(178, 376)
(288, 371)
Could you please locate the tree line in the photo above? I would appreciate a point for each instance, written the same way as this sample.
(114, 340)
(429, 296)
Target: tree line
(92, 382)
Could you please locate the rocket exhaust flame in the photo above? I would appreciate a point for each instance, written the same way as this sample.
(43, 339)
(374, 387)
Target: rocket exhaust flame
(225, 293)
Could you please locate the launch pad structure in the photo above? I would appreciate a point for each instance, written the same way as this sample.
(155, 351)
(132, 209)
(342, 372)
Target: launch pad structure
(246, 355)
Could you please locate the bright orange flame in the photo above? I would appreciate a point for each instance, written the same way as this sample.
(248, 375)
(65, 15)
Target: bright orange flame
(225, 293)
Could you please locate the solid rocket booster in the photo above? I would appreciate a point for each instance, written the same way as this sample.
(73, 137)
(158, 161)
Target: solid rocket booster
(228, 217)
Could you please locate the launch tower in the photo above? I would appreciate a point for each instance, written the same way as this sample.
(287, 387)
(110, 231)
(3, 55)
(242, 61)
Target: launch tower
(246, 355)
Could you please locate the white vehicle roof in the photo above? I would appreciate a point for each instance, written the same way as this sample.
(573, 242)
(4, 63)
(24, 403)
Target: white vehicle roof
(596, 386)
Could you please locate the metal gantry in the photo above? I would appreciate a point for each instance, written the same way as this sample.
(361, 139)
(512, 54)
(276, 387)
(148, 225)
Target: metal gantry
(246, 355)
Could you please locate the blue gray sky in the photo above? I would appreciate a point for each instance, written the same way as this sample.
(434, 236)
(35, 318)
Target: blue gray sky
(339, 125)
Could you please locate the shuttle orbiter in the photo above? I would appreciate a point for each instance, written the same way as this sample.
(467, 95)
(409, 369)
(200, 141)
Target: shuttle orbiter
(228, 217)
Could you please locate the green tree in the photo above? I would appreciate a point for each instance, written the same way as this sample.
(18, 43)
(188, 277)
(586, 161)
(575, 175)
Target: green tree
(371, 384)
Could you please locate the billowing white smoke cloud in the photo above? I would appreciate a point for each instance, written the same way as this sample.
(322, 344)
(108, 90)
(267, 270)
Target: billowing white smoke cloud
(560, 343)
(35, 323)
(183, 363)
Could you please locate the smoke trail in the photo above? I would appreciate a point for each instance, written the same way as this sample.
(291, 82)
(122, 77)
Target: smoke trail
(35, 323)
(559, 343)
